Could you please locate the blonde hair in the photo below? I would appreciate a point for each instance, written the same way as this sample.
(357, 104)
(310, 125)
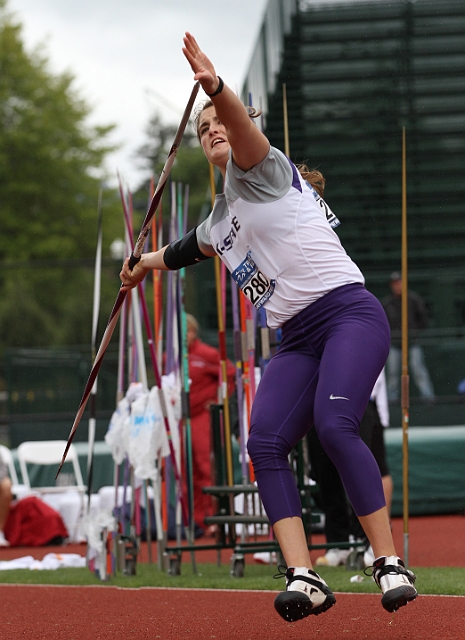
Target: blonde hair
(314, 177)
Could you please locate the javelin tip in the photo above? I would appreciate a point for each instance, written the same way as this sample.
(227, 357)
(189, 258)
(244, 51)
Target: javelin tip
(61, 465)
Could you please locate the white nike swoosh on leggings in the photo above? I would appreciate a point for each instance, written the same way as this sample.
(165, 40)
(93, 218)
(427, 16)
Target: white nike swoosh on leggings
(331, 397)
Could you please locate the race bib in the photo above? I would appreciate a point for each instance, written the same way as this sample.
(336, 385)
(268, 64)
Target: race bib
(253, 283)
(331, 217)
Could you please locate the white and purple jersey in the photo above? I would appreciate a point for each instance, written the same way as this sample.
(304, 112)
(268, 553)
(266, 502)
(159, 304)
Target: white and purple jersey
(275, 238)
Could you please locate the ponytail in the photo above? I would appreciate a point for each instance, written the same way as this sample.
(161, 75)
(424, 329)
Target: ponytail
(314, 177)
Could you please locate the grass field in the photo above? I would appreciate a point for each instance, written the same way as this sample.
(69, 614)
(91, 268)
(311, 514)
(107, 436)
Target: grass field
(437, 580)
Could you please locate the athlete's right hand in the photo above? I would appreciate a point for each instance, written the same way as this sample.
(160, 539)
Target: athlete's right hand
(200, 64)
(130, 278)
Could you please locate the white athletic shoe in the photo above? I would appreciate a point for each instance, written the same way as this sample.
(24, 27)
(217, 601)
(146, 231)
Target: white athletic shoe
(3, 541)
(395, 581)
(306, 594)
(333, 558)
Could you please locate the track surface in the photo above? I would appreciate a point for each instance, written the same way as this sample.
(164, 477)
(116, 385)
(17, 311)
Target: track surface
(81, 613)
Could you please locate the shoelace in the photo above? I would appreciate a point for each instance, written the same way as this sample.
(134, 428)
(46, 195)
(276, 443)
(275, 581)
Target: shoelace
(369, 571)
(282, 572)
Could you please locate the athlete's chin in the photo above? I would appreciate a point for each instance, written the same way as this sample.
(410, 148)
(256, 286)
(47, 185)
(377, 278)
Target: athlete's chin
(218, 156)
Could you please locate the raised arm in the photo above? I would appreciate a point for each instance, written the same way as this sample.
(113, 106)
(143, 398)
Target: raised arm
(249, 145)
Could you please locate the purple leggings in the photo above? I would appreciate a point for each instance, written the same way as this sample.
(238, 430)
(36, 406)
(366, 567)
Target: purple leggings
(323, 374)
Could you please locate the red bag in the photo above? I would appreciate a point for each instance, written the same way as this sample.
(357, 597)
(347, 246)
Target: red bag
(33, 523)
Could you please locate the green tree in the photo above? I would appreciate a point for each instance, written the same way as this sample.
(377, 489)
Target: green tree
(51, 169)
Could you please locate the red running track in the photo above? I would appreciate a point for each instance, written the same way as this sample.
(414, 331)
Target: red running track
(100, 612)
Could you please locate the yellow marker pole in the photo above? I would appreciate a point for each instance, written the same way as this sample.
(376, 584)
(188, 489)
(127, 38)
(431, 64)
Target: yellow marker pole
(405, 395)
(286, 124)
(223, 356)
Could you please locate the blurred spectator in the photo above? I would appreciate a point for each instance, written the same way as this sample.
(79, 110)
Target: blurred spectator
(417, 320)
(204, 374)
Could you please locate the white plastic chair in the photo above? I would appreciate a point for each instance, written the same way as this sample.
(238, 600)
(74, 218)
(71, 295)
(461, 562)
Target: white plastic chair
(7, 457)
(50, 452)
(69, 498)
(19, 490)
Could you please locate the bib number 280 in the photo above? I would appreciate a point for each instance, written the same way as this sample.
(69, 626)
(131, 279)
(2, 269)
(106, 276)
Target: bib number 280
(253, 282)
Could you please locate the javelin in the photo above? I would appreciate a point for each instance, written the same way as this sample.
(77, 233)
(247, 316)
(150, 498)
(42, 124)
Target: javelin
(133, 260)
(96, 307)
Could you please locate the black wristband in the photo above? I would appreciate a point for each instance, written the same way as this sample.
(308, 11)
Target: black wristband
(219, 89)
